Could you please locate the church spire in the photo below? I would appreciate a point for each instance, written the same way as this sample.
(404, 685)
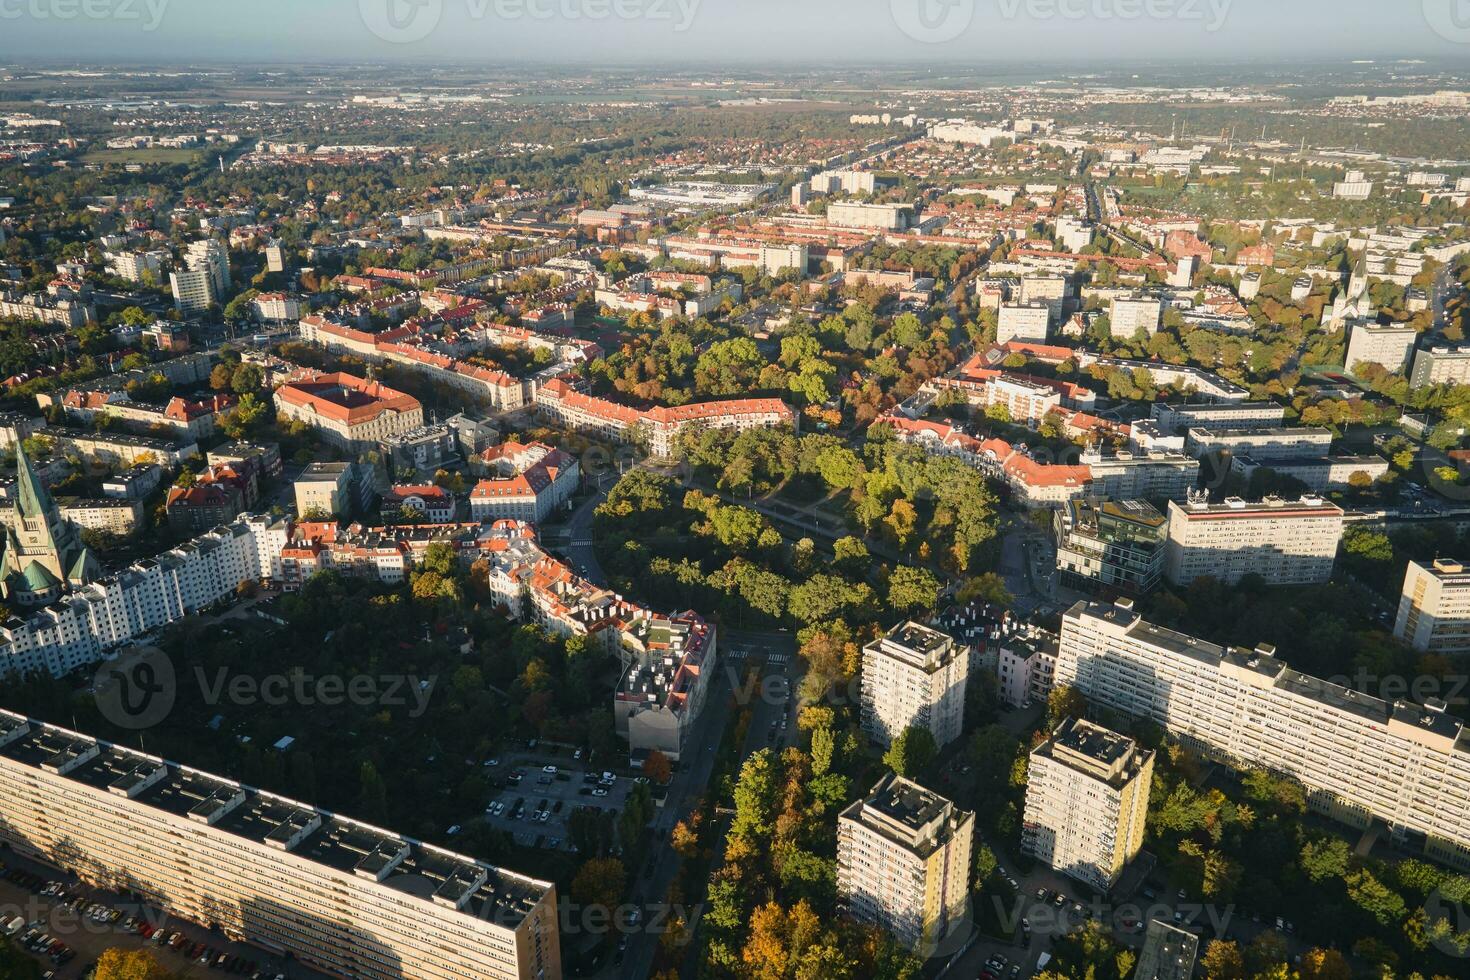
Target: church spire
(31, 496)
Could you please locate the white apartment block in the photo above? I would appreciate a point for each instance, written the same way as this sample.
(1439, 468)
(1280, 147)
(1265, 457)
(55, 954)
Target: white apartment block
(1129, 315)
(1027, 402)
(1283, 443)
(1086, 802)
(1025, 669)
(1219, 415)
(135, 266)
(1389, 346)
(1434, 610)
(877, 217)
(342, 896)
(1158, 474)
(903, 861)
(914, 677)
(1360, 759)
(1284, 543)
(1023, 322)
(85, 626)
(1441, 366)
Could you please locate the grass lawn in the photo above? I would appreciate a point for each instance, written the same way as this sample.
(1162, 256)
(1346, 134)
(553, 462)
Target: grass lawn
(155, 155)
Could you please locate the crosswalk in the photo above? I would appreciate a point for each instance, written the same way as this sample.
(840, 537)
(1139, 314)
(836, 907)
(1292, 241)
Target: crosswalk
(741, 653)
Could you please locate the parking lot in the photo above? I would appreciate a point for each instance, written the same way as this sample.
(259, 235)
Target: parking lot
(66, 926)
(538, 797)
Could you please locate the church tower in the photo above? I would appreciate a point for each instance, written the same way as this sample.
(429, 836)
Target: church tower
(44, 555)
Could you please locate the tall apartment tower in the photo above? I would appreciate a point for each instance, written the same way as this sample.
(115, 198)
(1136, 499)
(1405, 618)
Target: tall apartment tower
(206, 280)
(1434, 610)
(903, 861)
(914, 677)
(345, 897)
(1086, 802)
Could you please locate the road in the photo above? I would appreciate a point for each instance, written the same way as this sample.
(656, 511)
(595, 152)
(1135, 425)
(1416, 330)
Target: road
(770, 701)
(579, 548)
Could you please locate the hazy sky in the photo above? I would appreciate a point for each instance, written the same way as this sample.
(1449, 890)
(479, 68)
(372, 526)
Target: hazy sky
(724, 30)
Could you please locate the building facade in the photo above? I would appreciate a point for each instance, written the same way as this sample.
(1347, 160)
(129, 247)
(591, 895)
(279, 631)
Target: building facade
(1110, 544)
(913, 677)
(1086, 802)
(1286, 544)
(1359, 758)
(342, 896)
(1434, 608)
(903, 861)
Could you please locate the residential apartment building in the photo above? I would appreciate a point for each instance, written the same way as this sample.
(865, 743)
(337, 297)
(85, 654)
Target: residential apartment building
(1128, 315)
(1388, 345)
(903, 862)
(88, 622)
(338, 895)
(1284, 443)
(435, 504)
(1286, 544)
(1025, 668)
(205, 280)
(333, 489)
(1027, 322)
(351, 413)
(138, 266)
(878, 217)
(1359, 758)
(1434, 609)
(669, 663)
(1086, 802)
(527, 483)
(42, 308)
(1441, 366)
(1180, 418)
(119, 517)
(1318, 475)
(1154, 475)
(1113, 545)
(913, 677)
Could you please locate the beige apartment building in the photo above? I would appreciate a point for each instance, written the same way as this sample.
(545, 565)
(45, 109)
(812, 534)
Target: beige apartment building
(1087, 802)
(1434, 610)
(342, 896)
(903, 861)
(914, 677)
(1361, 759)
(1284, 543)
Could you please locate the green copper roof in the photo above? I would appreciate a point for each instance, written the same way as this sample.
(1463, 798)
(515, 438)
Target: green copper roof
(39, 578)
(30, 494)
(83, 569)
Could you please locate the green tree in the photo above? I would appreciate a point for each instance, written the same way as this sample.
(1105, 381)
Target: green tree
(912, 752)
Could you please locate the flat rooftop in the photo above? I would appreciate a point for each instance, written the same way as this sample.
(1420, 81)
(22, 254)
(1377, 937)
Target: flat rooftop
(345, 845)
